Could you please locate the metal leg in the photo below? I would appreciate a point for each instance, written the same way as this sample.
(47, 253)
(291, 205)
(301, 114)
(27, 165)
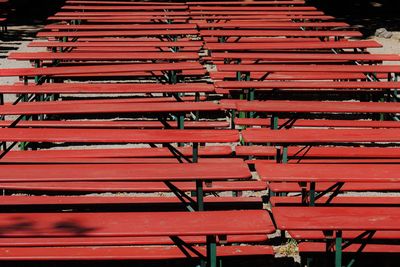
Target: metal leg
(199, 184)
(274, 122)
(285, 154)
(200, 195)
(312, 194)
(211, 251)
(338, 249)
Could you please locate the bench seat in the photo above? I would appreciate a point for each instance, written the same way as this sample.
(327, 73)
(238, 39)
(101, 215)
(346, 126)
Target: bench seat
(339, 201)
(125, 172)
(260, 85)
(107, 253)
(365, 173)
(310, 68)
(64, 107)
(318, 136)
(110, 69)
(288, 187)
(137, 224)
(110, 33)
(291, 46)
(159, 152)
(272, 33)
(118, 136)
(288, 76)
(72, 56)
(268, 25)
(145, 187)
(320, 247)
(322, 152)
(301, 57)
(117, 43)
(110, 88)
(319, 123)
(117, 124)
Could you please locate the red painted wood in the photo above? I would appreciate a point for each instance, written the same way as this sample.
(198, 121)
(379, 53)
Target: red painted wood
(321, 123)
(146, 187)
(136, 224)
(322, 152)
(118, 124)
(266, 24)
(137, 152)
(100, 161)
(118, 136)
(110, 69)
(298, 56)
(336, 218)
(105, 253)
(116, 43)
(294, 187)
(123, 7)
(272, 17)
(120, 26)
(298, 76)
(118, 241)
(291, 46)
(346, 235)
(129, 14)
(281, 106)
(92, 200)
(311, 68)
(241, 3)
(124, 172)
(80, 2)
(117, 33)
(307, 136)
(119, 88)
(305, 85)
(138, 17)
(352, 248)
(59, 107)
(103, 56)
(339, 200)
(329, 172)
(272, 33)
(245, 9)
(206, 13)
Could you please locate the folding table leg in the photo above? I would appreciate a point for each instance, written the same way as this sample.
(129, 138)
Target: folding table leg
(211, 251)
(199, 184)
(338, 249)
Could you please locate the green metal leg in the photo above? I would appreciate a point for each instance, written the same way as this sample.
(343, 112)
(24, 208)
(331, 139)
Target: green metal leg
(200, 195)
(199, 184)
(233, 115)
(274, 122)
(338, 249)
(312, 194)
(284, 154)
(211, 251)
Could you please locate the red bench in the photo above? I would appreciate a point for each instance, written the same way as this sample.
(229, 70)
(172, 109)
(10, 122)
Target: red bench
(130, 224)
(193, 4)
(301, 123)
(90, 56)
(118, 33)
(268, 25)
(337, 220)
(274, 33)
(251, 58)
(291, 46)
(307, 175)
(107, 88)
